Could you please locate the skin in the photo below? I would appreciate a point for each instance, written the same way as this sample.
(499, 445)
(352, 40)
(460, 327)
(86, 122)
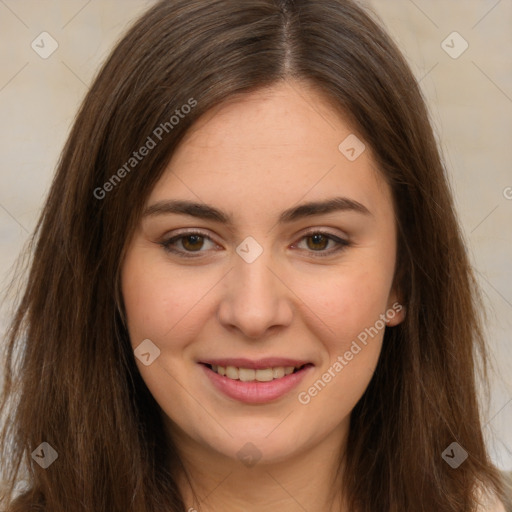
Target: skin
(253, 158)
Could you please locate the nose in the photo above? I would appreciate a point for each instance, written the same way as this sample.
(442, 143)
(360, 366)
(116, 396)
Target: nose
(256, 298)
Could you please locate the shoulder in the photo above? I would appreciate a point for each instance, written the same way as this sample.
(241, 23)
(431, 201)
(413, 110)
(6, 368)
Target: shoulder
(494, 506)
(497, 507)
(490, 503)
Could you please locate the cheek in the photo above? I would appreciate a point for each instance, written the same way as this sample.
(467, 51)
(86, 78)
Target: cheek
(348, 313)
(347, 320)
(156, 304)
(347, 303)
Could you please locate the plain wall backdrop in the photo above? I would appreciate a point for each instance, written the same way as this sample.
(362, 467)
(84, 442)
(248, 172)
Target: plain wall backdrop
(460, 50)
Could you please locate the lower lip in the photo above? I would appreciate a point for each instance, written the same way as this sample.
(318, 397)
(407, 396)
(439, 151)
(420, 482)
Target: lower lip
(256, 392)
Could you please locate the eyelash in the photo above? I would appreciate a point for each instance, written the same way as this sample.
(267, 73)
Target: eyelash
(341, 243)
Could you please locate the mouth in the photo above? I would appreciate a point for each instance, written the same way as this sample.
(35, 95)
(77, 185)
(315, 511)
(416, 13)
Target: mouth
(255, 382)
(255, 374)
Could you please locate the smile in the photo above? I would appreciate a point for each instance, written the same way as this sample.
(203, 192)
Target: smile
(250, 374)
(266, 381)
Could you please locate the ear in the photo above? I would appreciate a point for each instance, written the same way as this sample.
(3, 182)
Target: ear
(395, 311)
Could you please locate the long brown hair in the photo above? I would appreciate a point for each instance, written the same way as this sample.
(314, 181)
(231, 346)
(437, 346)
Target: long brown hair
(70, 375)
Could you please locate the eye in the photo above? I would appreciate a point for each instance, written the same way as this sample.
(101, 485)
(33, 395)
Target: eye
(318, 241)
(190, 241)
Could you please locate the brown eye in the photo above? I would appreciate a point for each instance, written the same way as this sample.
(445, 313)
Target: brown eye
(318, 241)
(188, 244)
(192, 242)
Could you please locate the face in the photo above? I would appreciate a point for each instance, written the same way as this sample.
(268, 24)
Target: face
(226, 298)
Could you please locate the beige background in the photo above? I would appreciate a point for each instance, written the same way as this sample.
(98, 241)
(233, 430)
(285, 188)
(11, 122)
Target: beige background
(470, 98)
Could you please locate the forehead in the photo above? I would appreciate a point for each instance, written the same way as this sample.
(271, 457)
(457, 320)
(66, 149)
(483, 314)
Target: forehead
(286, 119)
(271, 148)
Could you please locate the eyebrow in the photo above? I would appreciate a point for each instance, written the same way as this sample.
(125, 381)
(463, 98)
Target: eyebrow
(205, 211)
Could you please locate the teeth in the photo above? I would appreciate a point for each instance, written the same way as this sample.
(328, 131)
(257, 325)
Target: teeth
(265, 375)
(246, 375)
(232, 372)
(278, 372)
(249, 374)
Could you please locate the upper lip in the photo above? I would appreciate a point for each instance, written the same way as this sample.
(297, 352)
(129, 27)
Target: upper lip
(259, 364)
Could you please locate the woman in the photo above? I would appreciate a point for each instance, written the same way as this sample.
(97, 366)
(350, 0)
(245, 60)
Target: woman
(249, 287)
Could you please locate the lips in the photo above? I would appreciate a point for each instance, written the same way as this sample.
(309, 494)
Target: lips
(255, 381)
